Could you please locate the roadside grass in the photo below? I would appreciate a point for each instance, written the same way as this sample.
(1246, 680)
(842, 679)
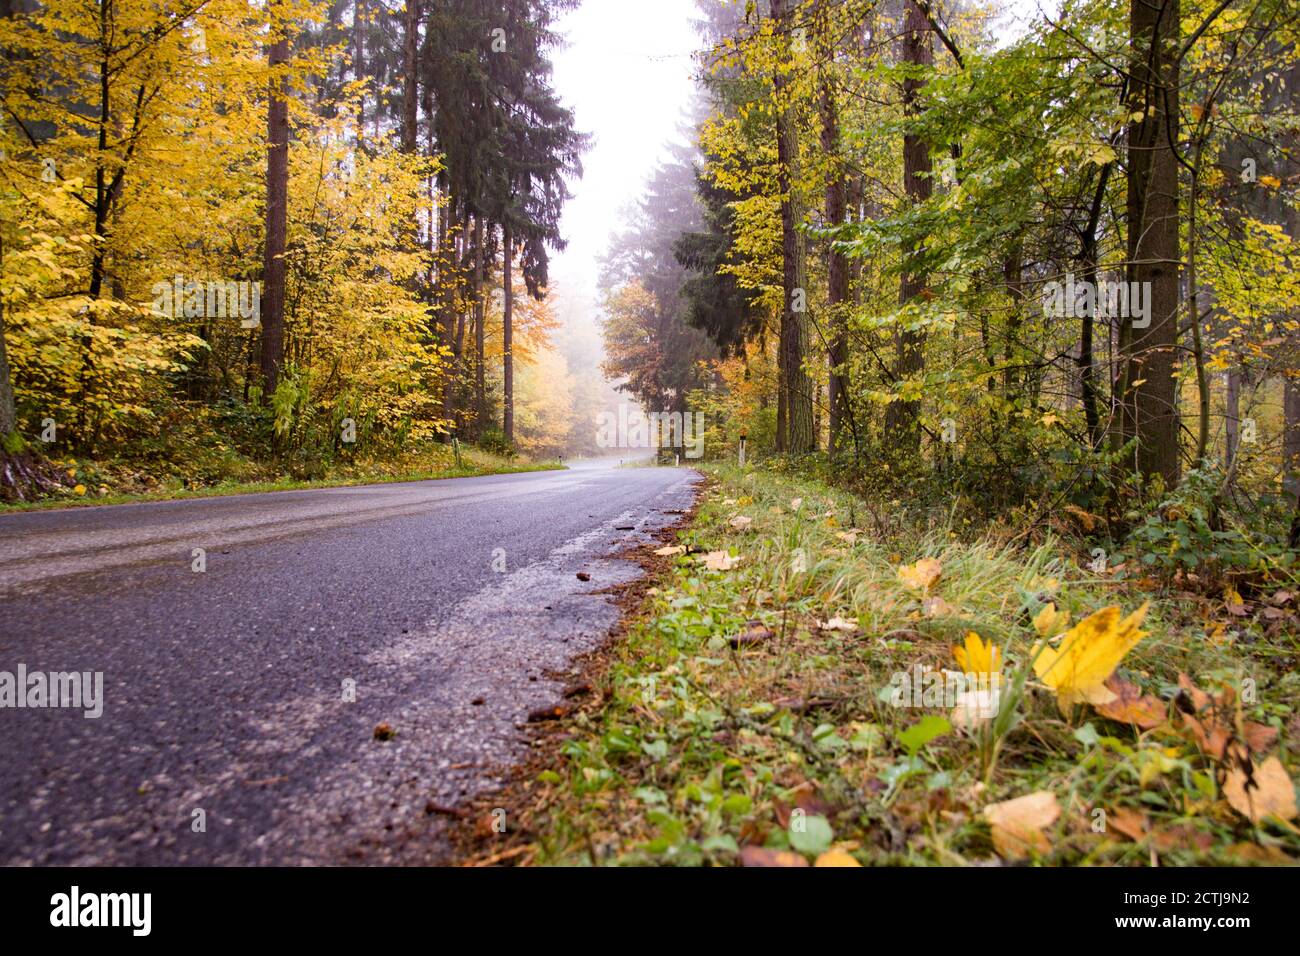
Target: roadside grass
(115, 482)
(785, 746)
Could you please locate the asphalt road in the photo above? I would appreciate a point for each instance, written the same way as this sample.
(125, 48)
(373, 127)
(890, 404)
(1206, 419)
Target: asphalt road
(224, 690)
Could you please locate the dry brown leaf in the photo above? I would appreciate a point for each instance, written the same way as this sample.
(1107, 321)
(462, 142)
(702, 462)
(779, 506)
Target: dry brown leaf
(1018, 824)
(937, 607)
(1254, 853)
(1131, 706)
(721, 561)
(670, 550)
(1213, 724)
(762, 856)
(1132, 823)
(1259, 737)
(1264, 790)
(1181, 836)
(741, 522)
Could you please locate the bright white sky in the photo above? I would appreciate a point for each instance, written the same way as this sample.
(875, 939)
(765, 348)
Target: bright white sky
(626, 72)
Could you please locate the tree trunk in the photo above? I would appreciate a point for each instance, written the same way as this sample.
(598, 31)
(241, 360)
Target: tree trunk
(1231, 416)
(1290, 99)
(1087, 262)
(8, 411)
(358, 62)
(902, 419)
(798, 437)
(507, 336)
(277, 221)
(1150, 394)
(1290, 438)
(410, 76)
(480, 383)
(837, 268)
(1012, 274)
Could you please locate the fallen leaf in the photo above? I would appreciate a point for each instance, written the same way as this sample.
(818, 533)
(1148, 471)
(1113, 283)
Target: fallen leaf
(1259, 737)
(1089, 652)
(79, 489)
(741, 522)
(795, 503)
(721, 561)
(1254, 853)
(1212, 721)
(836, 857)
(1200, 699)
(979, 657)
(1018, 824)
(838, 624)
(1131, 706)
(1131, 823)
(670, 550)
(385, 731)
(1181, 836)
(921, 575)
(762, 856)
(1261, 791)
(1049, 622)
(937, 607)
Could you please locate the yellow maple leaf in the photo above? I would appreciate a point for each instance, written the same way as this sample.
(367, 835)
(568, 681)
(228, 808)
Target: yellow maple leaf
(1272, 182)
(1089, 652)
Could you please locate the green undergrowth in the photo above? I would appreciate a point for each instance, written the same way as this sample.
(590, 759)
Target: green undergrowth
(88, 481)
(792, 744)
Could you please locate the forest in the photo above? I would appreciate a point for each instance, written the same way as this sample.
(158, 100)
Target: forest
(994, 333)
(378, 187)
(1054, 273)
